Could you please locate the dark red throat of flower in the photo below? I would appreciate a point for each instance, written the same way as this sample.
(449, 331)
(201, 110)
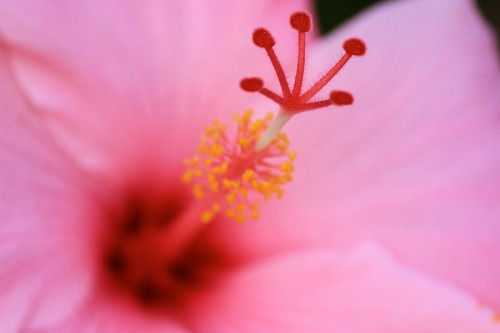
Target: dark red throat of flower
(294, 100)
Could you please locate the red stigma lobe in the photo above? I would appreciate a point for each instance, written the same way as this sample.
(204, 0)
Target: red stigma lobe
(301, 21)
(340, 98)
(354, 46)
(263, 38)
(251, 84)
(293, 100)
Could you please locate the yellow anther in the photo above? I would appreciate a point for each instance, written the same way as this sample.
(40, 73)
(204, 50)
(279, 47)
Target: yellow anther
(220, 169)
(286, 167)
(187, 176)
(256, 127)
(230, 213)
(248, 175)
(207, 216)
(264, 187)
(247, 115)
(198, 191)
(216, 150)
(231, 197)
(240, 208)
(244, 142)
(214, 187)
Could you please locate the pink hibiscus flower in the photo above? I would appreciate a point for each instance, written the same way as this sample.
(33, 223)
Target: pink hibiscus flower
(391, 222)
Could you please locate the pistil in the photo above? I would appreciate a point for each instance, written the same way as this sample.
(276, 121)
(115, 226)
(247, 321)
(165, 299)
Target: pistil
(293, 102)
(229, 172)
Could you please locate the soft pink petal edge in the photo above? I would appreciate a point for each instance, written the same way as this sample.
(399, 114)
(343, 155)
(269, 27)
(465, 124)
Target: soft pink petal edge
(100, 315)
(45, 262)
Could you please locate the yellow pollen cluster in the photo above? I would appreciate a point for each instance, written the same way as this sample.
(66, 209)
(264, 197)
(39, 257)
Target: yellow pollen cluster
(231, 175)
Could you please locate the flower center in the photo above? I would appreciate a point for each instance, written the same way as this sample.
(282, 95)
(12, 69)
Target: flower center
(230, 173)
(153, 258)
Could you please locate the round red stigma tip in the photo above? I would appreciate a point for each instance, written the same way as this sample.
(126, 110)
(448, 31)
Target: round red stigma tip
(301, 21)
(355, 46)
(251, 84)
(341, 97)
(263, 38)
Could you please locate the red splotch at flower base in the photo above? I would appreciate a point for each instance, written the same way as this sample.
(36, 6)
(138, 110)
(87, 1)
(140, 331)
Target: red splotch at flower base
(91, 143)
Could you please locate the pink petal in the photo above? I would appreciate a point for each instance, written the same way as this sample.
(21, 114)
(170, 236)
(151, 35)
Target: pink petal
(319, 291)
(414, 163)
(45, 269)
(115, 81)
(100, 316)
